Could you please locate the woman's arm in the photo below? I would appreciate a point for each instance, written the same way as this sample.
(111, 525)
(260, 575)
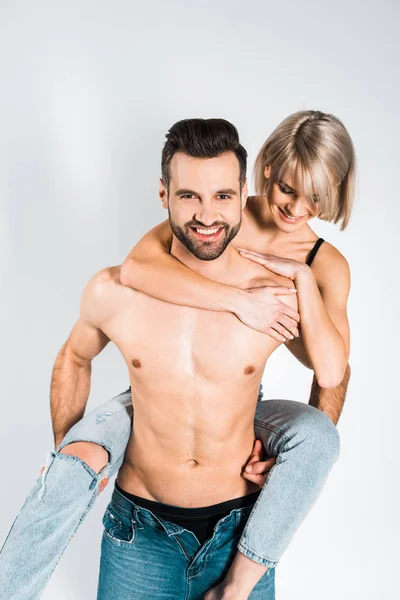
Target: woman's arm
(325, 330)
(322, 295)
(150, 268)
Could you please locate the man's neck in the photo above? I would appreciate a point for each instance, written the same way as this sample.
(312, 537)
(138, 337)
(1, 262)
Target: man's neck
(212, 269)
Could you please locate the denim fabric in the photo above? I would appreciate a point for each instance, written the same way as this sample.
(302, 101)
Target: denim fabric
(303, 439)
(144, 557)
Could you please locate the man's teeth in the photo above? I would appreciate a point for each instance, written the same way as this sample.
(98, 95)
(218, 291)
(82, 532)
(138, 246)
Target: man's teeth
(207, 231)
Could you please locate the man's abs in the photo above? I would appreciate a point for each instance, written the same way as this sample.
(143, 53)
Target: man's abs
(195, 376)
(173, 461)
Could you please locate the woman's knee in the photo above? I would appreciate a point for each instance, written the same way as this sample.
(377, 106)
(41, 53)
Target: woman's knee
(94, 455)
(320, 434)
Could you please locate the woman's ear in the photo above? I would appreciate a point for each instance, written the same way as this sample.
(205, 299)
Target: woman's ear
(163, 193)
(267, 172)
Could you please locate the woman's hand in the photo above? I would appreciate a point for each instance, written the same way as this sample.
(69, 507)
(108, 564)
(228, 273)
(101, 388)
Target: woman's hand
(281, 266)
(257, 469)
(260, 309)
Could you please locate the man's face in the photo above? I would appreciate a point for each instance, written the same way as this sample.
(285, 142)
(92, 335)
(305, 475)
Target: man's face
(204, 202)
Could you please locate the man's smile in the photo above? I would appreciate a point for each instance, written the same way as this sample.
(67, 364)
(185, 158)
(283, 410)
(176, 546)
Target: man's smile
(207, 233)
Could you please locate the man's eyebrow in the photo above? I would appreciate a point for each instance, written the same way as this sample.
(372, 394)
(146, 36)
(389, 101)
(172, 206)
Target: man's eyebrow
(183, 191)
(227, 191)
(286, 185)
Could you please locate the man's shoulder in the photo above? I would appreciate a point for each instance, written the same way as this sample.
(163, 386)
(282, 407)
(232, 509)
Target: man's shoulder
(100, 295)
(104, 282)
(107, 277)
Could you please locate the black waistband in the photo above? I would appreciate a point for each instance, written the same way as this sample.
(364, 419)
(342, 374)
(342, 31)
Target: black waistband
(167, 510)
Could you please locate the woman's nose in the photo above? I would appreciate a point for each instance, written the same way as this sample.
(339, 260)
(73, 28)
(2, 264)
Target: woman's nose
(297, 208)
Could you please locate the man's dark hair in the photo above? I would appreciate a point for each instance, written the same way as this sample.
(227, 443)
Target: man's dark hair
(202, 138)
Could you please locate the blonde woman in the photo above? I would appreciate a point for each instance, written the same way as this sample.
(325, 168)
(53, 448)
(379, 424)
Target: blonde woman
(305, 169)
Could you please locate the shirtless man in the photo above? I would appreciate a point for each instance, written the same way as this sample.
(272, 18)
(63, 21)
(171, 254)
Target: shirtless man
(197, 440)
(195, 376)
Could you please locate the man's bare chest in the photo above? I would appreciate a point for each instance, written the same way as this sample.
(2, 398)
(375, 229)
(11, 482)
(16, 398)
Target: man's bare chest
(155, 337)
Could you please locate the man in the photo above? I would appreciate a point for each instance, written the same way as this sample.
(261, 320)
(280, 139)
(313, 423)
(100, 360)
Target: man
(195, 376)
(181, 502)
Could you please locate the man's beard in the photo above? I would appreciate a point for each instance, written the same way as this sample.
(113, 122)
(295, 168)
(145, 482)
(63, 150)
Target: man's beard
(202, 249)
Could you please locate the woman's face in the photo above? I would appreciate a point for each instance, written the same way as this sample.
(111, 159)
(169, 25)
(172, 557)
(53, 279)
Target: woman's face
(290, 210)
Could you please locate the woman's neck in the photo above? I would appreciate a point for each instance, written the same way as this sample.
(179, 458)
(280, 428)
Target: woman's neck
(257, 216)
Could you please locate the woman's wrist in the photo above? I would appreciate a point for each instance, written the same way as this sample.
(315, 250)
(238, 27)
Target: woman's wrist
(234, 300)
(303, 272)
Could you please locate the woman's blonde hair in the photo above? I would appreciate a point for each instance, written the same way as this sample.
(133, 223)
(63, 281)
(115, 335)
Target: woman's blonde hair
(311, 147)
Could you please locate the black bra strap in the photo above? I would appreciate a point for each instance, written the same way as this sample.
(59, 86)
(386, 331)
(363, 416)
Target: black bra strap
(314, 251)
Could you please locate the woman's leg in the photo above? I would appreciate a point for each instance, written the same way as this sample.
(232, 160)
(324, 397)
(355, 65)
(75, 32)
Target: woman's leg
(62, 496)
(306, 444)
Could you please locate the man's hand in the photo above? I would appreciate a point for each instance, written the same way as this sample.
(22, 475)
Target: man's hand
(266, 313)
(257, 469)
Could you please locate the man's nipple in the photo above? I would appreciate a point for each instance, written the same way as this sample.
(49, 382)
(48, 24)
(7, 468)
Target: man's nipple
(136, 363)
(249, 370)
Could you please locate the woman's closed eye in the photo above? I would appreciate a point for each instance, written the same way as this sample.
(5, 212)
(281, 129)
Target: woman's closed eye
(285, 190)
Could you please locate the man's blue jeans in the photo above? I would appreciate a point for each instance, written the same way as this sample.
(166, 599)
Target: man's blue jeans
(304, 441)
(144, 557)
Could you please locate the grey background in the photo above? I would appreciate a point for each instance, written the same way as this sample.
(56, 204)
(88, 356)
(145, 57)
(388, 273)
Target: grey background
(88, 90)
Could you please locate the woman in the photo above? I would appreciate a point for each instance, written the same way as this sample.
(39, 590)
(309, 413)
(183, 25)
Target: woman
(305, 169)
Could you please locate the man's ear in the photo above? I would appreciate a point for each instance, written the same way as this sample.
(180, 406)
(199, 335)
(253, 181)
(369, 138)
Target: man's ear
(245, 193)
(267, 172)
(163, 193)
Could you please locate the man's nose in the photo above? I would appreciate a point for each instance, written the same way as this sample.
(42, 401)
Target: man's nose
(206, 214)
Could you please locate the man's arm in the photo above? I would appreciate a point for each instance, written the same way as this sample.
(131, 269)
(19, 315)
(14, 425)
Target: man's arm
(70, 381)
(330, 400)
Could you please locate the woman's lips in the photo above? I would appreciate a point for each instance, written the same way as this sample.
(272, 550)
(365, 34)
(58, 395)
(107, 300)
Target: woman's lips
(289, 220)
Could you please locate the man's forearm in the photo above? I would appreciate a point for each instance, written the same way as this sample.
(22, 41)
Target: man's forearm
(70, 387)
(330, 400)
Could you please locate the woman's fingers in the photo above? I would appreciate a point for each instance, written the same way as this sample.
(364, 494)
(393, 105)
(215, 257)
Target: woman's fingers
(285, 333)
(290, 325)
(255, 258)
(252, 253)
(274, 334)
(282, 290)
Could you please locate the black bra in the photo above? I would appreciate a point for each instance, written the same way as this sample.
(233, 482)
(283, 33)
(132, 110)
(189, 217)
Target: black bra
(314, 251)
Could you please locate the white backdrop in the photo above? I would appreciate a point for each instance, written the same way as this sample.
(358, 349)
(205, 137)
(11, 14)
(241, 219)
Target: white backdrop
(88, 90)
